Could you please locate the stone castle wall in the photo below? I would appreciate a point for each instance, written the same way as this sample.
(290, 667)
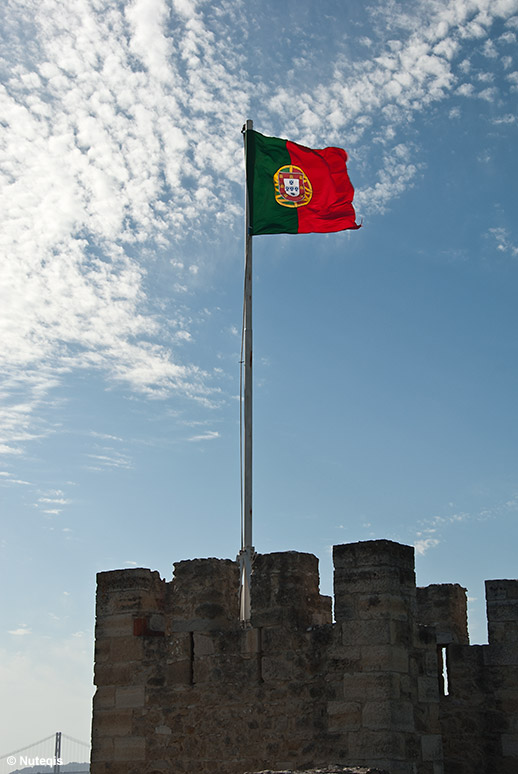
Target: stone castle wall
(391, 683)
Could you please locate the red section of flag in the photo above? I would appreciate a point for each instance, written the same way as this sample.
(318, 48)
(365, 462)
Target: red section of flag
(330, 208)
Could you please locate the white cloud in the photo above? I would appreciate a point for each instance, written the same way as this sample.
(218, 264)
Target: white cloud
(396, 175)
(401, 78)
(94, 141)
(147, 20)
(8, 479)
(489, 50)
(105, 436)
(489, 94)
(22, 631)
(503, 242)
(423, 545)
(111, 459)
(210, 435)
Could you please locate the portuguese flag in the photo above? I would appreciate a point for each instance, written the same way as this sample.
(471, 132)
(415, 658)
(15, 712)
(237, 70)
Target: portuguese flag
(296, 190)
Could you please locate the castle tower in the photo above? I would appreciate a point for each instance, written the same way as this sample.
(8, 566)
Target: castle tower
(182, 687)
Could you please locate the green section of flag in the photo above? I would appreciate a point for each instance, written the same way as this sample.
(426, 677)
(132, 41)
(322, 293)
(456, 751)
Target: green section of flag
(264, 156)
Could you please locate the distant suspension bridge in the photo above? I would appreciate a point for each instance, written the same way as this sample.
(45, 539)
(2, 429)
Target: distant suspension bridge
(56, 754)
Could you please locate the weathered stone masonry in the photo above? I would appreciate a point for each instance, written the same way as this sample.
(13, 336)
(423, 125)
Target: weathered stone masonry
(181, 687)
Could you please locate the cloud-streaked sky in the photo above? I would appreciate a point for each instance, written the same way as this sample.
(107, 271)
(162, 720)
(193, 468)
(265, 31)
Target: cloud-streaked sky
(385, 359)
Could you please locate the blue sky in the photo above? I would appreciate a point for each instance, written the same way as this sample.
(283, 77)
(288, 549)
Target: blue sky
(385, 359)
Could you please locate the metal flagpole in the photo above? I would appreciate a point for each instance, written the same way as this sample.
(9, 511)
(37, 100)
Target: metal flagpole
(247, 550)
(57, 753)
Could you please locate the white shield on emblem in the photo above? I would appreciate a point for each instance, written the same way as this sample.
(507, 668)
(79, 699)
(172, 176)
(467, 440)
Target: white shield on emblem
(292, 186)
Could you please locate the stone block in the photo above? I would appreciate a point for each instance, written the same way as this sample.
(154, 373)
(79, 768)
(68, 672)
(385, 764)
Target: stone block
(133, 601)
(163, 730)
(130, 696)
(367, 745)
(251, 642)
(325, 614)
(502, 654)
(227, 643)
(180, 645)
(132, 749)
(116, 674)
(225, 670)
(510, 746)
(365, 686)
(104, 698)
(118, 625)
(502, 633)
(362, 632)
(428, 688)
(102, 747)
(277, 669)
(501, 589)
(345, 607)
(508, 702)
(430, 662)
(203, 645)
(503, 611)
(179, 673)
(102, 650)
(370, 580)
(114, 722)
(280, 639)
(388, 715)
(342, 660)
(431, 747)
(115, 767)
(344, 715)
(378, 606)
(137, 578)
(402, 632)
(123, 649)
(380, 658)
(129, 591)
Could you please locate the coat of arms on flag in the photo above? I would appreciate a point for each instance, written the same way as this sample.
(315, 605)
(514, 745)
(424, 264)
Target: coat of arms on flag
(292, 187)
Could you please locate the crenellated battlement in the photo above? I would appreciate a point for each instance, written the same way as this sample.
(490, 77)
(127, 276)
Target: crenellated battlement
(182, 687)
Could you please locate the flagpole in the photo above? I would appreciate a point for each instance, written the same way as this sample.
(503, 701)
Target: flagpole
(247, 550)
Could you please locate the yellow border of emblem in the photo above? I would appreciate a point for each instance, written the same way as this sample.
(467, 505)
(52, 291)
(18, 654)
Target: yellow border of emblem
(282, 200)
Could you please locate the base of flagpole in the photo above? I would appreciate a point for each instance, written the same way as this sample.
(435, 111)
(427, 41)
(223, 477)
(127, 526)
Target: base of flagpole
(245, 559)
